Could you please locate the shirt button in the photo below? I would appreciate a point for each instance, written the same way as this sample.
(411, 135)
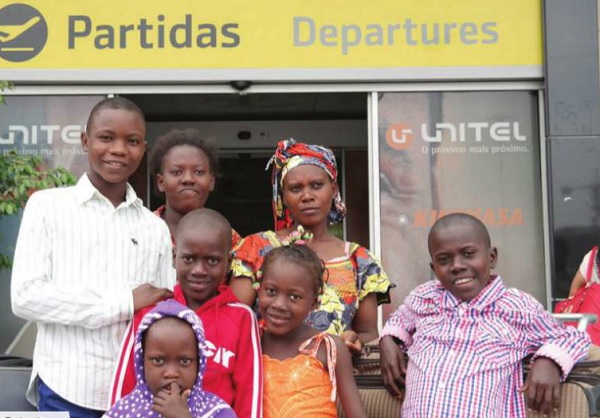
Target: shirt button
(442, 385)
(452, 353)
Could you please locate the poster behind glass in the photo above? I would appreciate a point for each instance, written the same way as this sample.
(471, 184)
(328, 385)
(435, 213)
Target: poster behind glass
(48, 126)
(475, 152)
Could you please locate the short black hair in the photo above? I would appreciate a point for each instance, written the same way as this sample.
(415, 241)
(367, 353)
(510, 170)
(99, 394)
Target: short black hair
(457, 219)
(301, 255)
(205, 218)
(116, 103)
(178, 137)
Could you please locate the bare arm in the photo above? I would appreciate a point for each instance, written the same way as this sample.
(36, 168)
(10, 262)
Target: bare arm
(542, 387)
(393, 365)
(346, 385)
(365, 321)
(247, 375)
(577, 283)
(242, 288)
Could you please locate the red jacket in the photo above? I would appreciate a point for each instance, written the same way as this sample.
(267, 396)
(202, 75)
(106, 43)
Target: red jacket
(234, 366)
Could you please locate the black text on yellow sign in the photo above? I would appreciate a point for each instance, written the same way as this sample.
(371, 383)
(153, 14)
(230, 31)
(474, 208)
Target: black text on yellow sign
(152, 33)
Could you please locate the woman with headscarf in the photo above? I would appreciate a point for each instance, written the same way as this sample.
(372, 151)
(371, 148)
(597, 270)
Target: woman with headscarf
(169, 367)
(306, 199)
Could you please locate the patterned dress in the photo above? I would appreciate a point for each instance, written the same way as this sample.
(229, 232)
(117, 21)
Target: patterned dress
(300, 386)
(348, 280)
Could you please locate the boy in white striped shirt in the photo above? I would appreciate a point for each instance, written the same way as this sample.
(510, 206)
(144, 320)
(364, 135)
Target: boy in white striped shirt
(87, 258)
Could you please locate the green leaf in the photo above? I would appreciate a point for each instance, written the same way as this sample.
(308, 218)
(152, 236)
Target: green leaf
(20, 175)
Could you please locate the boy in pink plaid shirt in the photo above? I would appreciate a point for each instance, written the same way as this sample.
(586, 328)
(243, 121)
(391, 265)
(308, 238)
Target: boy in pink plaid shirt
(466, 335)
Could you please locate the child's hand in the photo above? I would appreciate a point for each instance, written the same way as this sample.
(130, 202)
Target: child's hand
(393, 366)
(146, 295)
(171, 403)
(542, 386)
(350, 338)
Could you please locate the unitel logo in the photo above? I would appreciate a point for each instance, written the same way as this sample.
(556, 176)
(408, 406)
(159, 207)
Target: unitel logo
(23, 32)
(399, 136)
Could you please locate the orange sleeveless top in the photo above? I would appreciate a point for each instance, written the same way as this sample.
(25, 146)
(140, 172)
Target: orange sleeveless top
(300, 386)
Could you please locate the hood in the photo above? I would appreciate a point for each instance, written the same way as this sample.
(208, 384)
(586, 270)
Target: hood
(139, 402)
(163, 310)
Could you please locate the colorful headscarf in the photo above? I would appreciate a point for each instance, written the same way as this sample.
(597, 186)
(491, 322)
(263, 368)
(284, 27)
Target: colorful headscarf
(138, 403)
(291, 154)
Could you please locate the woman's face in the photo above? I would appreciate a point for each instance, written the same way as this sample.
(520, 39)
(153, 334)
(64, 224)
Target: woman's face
(308, 193)
(186, 178)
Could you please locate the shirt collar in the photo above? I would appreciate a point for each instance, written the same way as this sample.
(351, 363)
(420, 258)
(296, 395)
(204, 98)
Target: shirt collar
(488, 295)
(86, 191)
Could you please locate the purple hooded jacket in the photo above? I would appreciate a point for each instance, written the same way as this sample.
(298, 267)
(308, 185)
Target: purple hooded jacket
(138, 403)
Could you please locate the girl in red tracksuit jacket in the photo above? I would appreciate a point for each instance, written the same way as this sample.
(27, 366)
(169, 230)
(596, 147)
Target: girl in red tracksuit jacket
(234, 368)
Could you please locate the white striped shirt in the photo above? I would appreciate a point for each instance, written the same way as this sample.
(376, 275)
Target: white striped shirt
(77, 260)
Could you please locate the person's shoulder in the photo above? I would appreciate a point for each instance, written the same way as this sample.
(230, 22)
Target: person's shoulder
(58, 200)
(425, 296)
(517, 300)
(361, 254)
(429, 289)
(235, 238)
(229, 306)
(239, 313)
(224, 411)
(355, 249)
(150, 219)
(259, 238)
(53, 194)
(326, 343)
(237, 318)
(335, 339)
(263, 234)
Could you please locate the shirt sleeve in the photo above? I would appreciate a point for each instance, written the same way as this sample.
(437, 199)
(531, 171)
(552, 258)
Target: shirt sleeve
(165, 266)
(370, 276)
(248, 257)
(402, 323)
(124, 379)
(235, 238)
(247, 376)
(36, 296)
(548, 337)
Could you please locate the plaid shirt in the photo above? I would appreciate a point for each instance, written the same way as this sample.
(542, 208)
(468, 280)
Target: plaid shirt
(465, 358)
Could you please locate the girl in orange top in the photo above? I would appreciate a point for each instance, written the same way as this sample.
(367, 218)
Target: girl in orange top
(304, 369)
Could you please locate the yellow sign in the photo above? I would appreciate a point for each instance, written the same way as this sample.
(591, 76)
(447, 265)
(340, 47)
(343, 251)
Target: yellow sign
(261, 34)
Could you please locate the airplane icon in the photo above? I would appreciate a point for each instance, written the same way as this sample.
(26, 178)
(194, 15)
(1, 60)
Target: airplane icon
(11, 32)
